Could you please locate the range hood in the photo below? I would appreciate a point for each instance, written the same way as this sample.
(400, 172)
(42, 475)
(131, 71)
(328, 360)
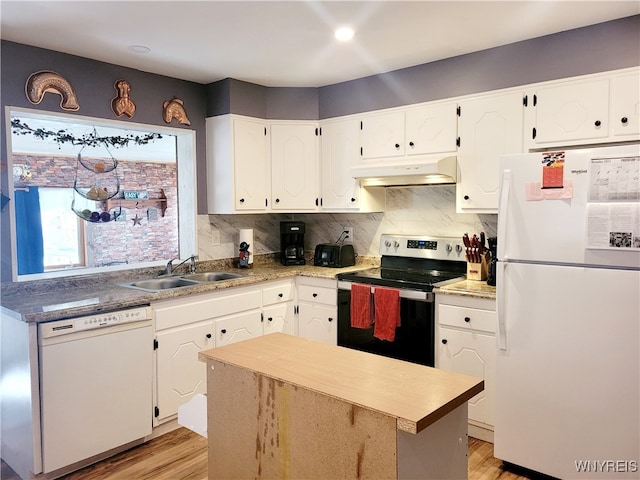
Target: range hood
(426, 171)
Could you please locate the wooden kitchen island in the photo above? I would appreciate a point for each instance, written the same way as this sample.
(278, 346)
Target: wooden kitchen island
(284, 407)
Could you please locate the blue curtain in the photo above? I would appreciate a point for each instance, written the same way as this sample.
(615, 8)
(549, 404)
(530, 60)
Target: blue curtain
(29, 243)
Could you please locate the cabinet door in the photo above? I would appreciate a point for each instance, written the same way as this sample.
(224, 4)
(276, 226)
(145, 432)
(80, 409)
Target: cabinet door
(625, 106)
(473, 354)
(318, 322)
(180, 375)
(294, 167)
(339, 150)
(571, 113)
(431, 129)
(236, 328)
(251, 165)
(488, 127)
(278, 318)
(382, 135)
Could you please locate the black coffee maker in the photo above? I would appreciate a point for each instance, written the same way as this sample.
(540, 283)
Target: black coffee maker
(292, 243)
(493, 248)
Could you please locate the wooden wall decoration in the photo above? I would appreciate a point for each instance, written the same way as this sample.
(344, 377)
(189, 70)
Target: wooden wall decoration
(174, 108)
(122, 103)
(45, 81)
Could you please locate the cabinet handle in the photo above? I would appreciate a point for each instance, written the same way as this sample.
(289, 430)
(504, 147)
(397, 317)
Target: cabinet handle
(353, 199)
(466, 197)
(281, 295)
(597, 123)
(208, 335)
(467, 319)
(223, 331)
(411, 144)
(242, 200)
(397, 146)
(444, 341)
(277, 200)
(624, 120)
(270, 319)
(314, 295)
(330, 319)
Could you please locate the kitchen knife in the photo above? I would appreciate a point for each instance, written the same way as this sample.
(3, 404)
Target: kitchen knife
(467, 244)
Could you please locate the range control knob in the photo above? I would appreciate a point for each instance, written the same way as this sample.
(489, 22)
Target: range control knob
(449, 248)
(387, 243)
(396, 243)
(458, 248)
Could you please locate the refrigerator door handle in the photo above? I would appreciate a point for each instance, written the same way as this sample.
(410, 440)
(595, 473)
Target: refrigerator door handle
(501, 337)
(502, 208)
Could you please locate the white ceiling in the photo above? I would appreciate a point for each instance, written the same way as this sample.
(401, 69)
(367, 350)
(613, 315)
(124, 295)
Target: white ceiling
(288, 44)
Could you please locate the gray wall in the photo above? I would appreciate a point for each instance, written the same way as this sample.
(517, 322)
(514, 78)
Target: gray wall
(93, 83)
(597, 48)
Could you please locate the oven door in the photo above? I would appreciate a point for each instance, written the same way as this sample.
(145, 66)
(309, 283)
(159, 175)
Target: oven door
(414, 339)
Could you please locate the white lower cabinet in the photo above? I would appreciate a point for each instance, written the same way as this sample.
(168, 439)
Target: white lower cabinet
(187, 325)
(317, 309)
(466, 344)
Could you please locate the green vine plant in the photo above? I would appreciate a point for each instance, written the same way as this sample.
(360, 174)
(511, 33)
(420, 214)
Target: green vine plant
(87, 140)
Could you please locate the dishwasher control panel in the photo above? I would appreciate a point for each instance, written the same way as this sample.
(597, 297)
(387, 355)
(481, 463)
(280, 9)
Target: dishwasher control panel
(90, 322)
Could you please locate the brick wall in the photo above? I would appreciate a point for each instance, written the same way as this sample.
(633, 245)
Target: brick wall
(121, 241)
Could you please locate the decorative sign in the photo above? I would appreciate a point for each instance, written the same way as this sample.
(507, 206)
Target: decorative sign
(135, 195)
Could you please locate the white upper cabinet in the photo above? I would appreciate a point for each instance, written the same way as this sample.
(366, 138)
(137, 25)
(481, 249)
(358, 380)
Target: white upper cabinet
(400, 134)
(625, 106)
(238, 167)
(383, 135)
(569, 113)
(594, 109)
(295, 166)
(339, 148)
(489, 126)
(431, 129)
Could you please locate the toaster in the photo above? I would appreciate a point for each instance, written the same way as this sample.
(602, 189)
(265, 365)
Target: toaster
(334, 255)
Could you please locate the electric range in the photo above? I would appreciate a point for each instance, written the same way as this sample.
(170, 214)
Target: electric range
(415, 265)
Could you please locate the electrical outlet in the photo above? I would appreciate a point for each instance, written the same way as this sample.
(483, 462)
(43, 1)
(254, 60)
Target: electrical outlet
(215, 236)
(349, 234)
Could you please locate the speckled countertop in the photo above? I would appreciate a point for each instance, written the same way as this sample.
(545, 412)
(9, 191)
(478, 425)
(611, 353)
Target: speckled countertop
(469, 288)
(47, 300)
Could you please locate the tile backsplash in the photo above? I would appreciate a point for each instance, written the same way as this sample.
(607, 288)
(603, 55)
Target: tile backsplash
(426, 210)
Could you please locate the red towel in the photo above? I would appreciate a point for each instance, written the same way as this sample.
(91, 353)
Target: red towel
(387, 313)
(361, 306)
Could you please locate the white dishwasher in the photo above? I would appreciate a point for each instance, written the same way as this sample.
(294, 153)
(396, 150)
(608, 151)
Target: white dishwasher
(95, 384)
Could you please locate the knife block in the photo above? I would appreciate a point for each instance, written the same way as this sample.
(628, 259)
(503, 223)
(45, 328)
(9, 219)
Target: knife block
(477, 271)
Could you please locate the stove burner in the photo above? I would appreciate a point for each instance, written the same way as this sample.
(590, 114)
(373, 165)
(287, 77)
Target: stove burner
(414, 279)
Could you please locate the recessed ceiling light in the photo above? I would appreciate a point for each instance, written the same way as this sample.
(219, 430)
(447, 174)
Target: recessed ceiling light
(344, 34)
(139, 49)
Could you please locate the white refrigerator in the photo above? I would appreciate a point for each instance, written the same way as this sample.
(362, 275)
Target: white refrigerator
(568, 305)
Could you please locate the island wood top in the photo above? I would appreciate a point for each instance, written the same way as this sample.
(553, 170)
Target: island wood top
(416, 395)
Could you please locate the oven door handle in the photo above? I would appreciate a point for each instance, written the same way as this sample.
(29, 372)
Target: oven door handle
(417, 295)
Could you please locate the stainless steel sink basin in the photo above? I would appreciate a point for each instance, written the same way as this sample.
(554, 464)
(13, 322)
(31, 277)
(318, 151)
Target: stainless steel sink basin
(157, 284)
(211, 276)
(167, 283)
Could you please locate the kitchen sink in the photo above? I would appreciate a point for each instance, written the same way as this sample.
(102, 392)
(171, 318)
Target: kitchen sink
(158, 284)
(168, 283)
(211, 276)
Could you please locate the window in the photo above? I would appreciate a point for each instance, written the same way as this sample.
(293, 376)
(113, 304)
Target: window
(63, 232)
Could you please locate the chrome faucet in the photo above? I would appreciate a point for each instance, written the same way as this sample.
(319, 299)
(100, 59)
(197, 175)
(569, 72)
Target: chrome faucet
(170, 267)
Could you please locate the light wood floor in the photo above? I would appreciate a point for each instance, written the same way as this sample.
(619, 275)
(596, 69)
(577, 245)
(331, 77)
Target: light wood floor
(182, 455)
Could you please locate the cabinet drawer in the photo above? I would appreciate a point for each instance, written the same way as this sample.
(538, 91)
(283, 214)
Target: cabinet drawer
(467, 318)
(205, 308)
(325, 296)
(283, 292)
